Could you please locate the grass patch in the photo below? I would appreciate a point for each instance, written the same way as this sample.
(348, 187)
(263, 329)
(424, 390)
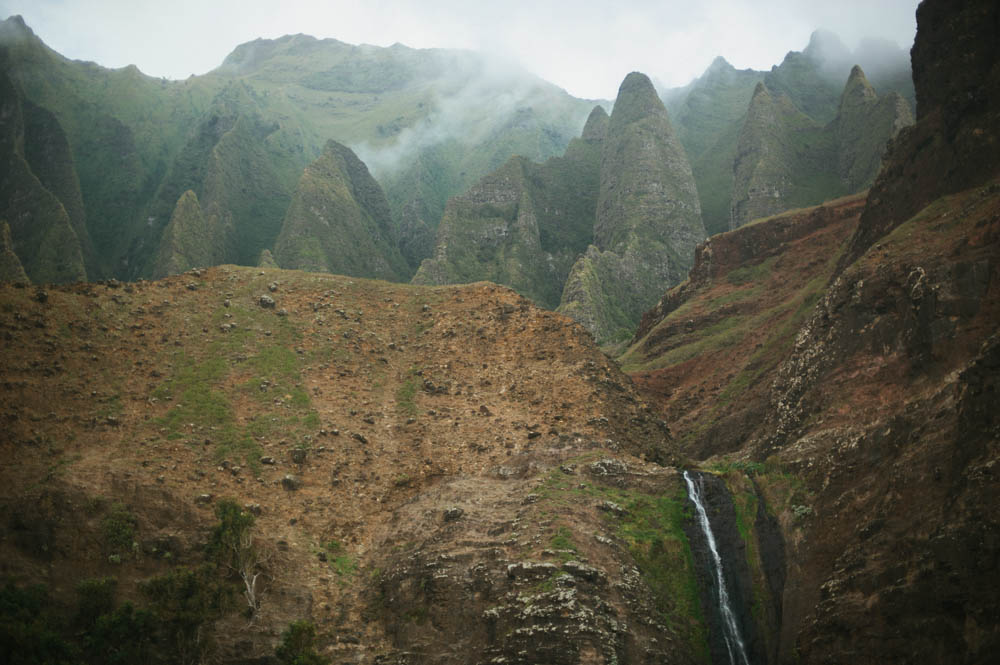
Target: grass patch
(752, 274)
(343, 565)
(406, 393)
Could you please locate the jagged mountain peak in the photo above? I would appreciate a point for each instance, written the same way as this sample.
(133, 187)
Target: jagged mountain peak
(597, 124)
(719, 64)
(637, 98)
(825, 46)
(760, 93)
(15, 32)
(858, 87)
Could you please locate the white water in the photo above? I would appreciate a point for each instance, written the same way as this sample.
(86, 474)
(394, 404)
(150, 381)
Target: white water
(730, 629)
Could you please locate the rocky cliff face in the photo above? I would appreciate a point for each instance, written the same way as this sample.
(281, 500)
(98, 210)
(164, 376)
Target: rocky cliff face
(954, 143)
(709, 113)
(707, 117)
(863, 122)
(338, 221)
(596, 232)
(524, 225)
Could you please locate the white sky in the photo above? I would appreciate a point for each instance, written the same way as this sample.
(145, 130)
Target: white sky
(584, 46)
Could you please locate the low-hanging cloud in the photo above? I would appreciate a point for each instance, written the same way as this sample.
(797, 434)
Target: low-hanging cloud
(586, 47)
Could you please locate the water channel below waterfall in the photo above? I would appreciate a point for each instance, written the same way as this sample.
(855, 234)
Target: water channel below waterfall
(725, 620)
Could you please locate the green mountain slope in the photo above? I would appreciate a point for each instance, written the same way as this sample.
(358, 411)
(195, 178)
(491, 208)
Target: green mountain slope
(597, 233)
(189, 241)
(429, 121)
(710, 112)
(11, 269)
(41, 231)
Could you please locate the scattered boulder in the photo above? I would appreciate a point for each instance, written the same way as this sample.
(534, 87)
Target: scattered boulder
(452, 514)
(612, 507)
(607, 467)
(291, 483)
(266, 301)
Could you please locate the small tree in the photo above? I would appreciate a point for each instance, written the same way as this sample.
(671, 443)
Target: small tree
(234, 546)
(298, 645)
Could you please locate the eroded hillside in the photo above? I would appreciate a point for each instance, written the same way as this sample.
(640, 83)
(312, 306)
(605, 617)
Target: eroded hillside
(422, 463)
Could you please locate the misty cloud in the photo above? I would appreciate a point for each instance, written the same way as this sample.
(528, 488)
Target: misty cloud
(586, 47)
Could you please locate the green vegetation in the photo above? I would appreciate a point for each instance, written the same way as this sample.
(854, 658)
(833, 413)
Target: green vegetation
(753, 273)
(298, 645)
(260, 119)
(118, 530)
(264, 367)
(341, 562)
(29, 632)
(407, 391)
(184, 602)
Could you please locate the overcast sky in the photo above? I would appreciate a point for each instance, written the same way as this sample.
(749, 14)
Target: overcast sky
(584, 46)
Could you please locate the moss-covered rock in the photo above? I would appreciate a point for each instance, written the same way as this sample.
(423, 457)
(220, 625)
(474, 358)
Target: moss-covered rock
(188, 241)
(339, 221)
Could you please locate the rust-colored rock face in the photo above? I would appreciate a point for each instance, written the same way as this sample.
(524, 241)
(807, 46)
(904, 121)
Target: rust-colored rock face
(852, 375)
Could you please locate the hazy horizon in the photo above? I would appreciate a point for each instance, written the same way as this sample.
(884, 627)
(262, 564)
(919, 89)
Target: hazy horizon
(586, 49)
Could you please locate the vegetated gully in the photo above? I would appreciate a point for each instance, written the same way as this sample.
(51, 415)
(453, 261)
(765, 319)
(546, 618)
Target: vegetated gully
(724, 576)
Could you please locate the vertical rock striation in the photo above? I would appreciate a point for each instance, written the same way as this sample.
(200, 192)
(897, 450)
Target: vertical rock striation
(648, 218)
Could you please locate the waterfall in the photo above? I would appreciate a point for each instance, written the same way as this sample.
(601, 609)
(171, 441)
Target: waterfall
(731, 630)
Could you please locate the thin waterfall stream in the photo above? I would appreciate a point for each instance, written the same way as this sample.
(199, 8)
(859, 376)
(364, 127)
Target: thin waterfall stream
(733, 640)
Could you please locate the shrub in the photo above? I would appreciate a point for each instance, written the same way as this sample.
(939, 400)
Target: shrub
(121, 637)
(118, 529)
(298, 645)
(96, 597)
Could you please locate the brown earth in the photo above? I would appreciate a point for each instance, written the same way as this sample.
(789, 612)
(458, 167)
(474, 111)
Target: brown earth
(350, 416)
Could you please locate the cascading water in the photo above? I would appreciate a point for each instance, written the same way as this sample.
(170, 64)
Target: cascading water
(731, 630)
